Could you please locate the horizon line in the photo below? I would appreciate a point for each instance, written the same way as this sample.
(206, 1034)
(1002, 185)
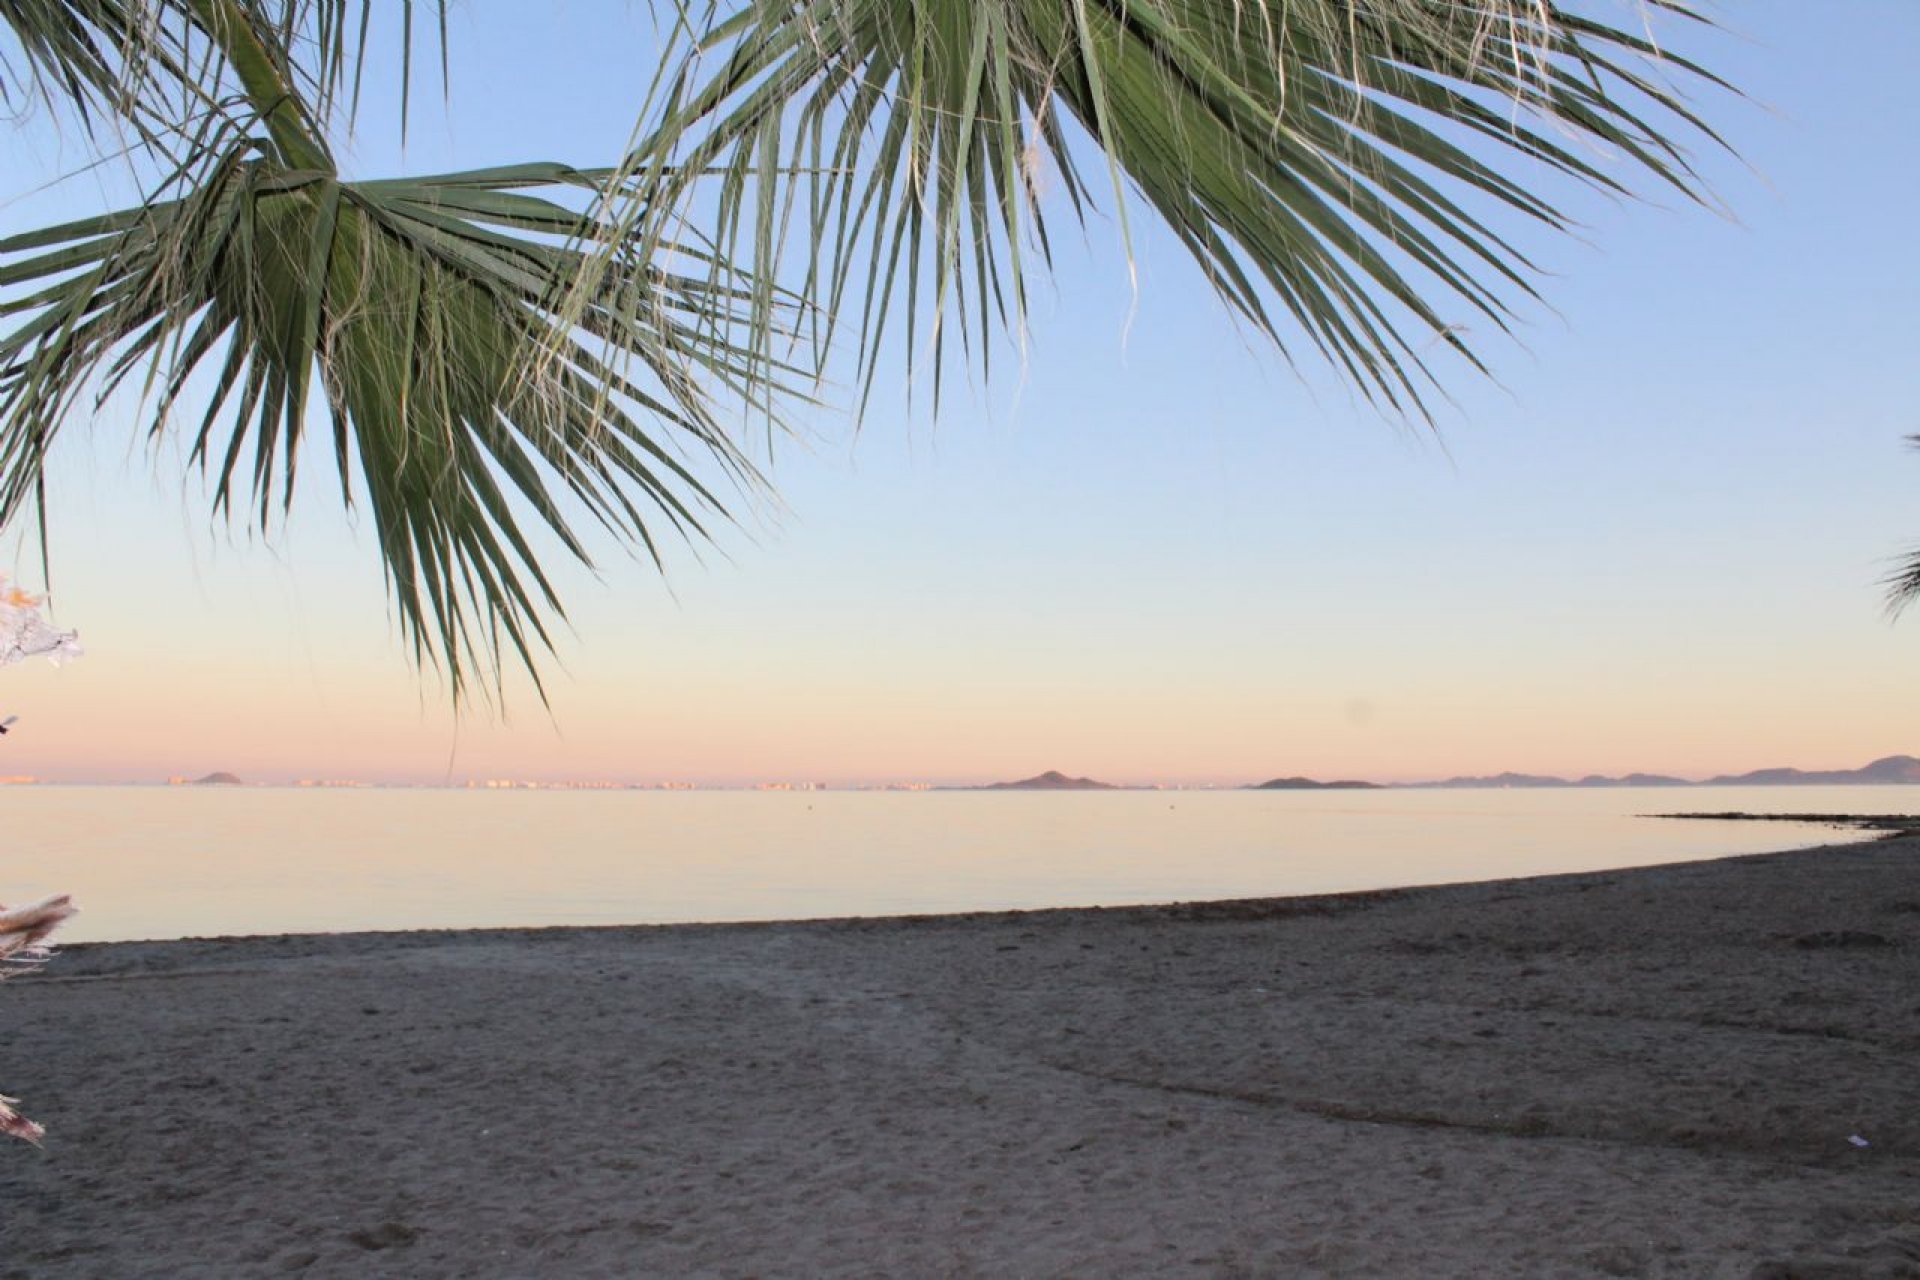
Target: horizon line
(1505, 779)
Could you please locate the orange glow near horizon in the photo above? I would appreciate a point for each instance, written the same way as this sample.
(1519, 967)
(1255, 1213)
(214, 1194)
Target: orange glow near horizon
(114, 717)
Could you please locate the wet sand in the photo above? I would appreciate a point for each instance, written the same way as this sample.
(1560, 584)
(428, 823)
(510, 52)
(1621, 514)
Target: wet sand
(1648, 1072)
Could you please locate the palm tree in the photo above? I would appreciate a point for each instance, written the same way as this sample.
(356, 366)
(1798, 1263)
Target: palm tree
(417, 315)
(1329, 164)
(498, 351)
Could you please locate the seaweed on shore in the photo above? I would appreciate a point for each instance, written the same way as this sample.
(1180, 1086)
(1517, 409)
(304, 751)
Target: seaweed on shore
(1898, 824)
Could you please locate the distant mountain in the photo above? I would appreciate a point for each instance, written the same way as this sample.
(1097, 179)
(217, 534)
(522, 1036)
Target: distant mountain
(1309, 784)
(217, 780)
(1051, 780)
(1888, 771)
(1504, 780)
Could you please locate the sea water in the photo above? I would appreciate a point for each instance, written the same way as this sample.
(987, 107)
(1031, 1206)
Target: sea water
(171, 862)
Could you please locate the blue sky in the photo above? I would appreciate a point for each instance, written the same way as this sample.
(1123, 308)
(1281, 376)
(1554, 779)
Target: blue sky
(1151, 551)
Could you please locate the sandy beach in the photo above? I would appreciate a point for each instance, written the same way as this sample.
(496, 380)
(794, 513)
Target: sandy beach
(1667, 1071)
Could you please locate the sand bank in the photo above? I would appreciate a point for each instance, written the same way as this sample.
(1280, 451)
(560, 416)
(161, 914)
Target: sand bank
(1652, 1072)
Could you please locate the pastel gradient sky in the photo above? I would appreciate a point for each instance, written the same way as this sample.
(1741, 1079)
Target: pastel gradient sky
(1153, 552)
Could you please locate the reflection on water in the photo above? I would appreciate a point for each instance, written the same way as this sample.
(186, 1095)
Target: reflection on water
(146, 862)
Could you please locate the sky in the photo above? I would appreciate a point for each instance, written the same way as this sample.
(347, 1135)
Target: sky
(1149, 550)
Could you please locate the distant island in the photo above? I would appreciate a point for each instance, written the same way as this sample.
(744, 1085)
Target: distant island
(1051, 780)
(1311, 784)
(217, 780)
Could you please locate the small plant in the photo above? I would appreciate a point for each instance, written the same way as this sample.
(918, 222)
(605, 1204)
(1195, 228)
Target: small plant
(23, 947)
(24, 930)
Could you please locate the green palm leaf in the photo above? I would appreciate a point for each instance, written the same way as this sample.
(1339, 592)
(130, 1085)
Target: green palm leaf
(154, 65)
(88, 56)
(417, 316)
(416, 320)
(1330, 164)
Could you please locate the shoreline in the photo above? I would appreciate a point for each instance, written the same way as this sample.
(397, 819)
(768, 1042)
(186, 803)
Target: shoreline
(1656, 1070)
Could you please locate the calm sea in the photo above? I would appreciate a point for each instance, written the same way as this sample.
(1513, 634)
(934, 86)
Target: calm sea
(155, 862)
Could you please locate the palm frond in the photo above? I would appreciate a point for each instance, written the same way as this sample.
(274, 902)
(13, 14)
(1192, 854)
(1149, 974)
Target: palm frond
(154, 65)
(89, 56)
(1903, 584)
(417, 317)
(319, 48)
(1330, 164)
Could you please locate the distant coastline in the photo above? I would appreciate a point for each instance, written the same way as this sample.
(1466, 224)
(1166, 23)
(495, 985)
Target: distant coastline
(1897, 770)
(1887, 771)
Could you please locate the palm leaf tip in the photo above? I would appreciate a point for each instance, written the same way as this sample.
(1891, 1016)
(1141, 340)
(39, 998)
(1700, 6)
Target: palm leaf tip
(1903, 585)
(418, 319)
(1331, 165)
(82, 55)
